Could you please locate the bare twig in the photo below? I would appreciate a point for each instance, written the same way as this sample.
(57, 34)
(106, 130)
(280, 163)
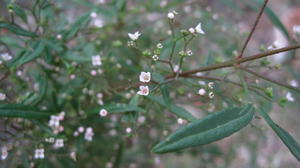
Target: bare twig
(270, 80)
(253, 28)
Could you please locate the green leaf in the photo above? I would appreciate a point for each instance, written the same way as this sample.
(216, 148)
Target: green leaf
(179, 111)
(34, 51)
(211, 128)
(16, 29)
(38, 97)
(80, 23)
(20, 12)
(165, 94)
(285, 137)
(22, 111)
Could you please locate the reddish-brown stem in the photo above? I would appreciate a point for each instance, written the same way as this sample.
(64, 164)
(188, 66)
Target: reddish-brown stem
(253, 28)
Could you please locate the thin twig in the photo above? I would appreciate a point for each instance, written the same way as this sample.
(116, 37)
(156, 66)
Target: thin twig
(253, 28)
(270, 80)
(234, 62)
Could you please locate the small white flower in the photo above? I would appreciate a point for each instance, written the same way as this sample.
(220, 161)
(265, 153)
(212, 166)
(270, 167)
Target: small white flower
(59, 36)
(198, 29)
(201, 92)
(296, 29)
(2, 96)
(159, 45)
(294, 83)
(96, 60)
(39, 154)
(88, 136)
(73, 155)
(4, 153)
(93, 72)
(128, 130)
(171, 15)
(81, 129)
(98, 23)
(75, 134)
(59, 143)
(72, 76)
(211, 95)
(192, 30)
(61, 115)
(144, 90)
(134, 36)
(290, 97)
(141, 119)
(6, 57)
(189, 53)
(210, 85)
(145, 77)
(155, 57)
(103, 113)
(99, 95)
(93, 14)
(180, 121)
(54, 121)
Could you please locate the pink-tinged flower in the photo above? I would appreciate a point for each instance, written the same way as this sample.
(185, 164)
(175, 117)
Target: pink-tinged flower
(144, 90)
(103, 113)
(145, 77)
(134, 36)
(202, 92)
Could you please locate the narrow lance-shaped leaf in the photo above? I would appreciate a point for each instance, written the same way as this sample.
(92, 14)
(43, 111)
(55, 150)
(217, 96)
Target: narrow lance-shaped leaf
(286, 138)
(211, 128)
(118, 108)
(17, 30)
(179, 111)
(22, 111)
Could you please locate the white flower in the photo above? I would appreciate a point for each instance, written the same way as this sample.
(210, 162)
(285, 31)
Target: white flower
(210, 85)
(201, 91)
(198, 29)
(145, 77)
(180, 121)
(103, 113)
(290, 97)
(189, 53)
(61, 115)
(294, 83)
(159, 45)
(93, 72)
(88, 136)
(54, 121)
(134, 36)
(93, 14)
(296, 29)
(155, 57)
(130, 43)
(75, 134)
(141, 119)
(96, 60)
(211, 95)
(192, 30)
(73, 155)
(171, 15)
(4, 153)
(2, 96)
(128, 130)
(59, 36)
(6, 57)
(98, 23)
(99, 95)
(59, 143)
(144, 90)
(39, 153)
(81, 129)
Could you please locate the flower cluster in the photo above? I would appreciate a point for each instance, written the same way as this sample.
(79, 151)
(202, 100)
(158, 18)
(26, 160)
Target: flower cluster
(39, 153)
(54, 122)
(202, 91)
(89, 133)
(145, 77)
